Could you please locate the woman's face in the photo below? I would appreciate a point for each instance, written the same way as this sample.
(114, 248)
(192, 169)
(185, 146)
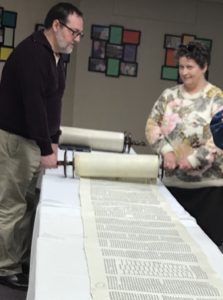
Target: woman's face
(190, 72)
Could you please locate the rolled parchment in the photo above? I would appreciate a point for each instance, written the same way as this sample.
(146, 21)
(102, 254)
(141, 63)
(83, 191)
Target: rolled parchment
(115, 165)
(95, 139)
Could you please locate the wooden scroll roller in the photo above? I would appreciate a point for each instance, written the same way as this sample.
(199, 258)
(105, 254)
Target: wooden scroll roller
(73, 137)
(113, 165)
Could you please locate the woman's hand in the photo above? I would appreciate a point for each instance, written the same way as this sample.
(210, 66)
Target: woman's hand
(170, 161)
(184, 164)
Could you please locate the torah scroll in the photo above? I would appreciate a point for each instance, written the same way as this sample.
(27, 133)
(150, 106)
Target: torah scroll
(115, 165)
(95, 139)
(135, 244)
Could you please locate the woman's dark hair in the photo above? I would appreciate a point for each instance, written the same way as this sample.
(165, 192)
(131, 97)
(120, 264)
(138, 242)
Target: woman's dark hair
(196, 51)
(60, 11)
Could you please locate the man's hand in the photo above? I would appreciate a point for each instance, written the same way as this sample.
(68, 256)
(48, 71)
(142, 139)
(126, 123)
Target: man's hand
(170, 161)
(49, 161)
(55, 149)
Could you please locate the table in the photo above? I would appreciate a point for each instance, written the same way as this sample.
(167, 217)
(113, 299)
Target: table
(58, 268)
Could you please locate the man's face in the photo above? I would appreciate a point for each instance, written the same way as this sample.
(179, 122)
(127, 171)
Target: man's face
(69, 33)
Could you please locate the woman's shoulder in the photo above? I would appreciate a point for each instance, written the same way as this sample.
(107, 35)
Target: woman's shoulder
(213, 90)
(174, 90)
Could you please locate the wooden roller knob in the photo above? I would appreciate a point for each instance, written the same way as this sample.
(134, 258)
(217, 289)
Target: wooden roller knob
(66, 163)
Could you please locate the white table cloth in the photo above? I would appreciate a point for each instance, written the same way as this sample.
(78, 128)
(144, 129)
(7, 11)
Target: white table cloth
(58, 268)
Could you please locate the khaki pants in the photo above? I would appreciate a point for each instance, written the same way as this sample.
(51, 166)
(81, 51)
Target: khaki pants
(19, 168)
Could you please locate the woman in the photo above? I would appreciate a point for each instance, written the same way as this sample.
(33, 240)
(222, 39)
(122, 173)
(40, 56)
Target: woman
(178, 129)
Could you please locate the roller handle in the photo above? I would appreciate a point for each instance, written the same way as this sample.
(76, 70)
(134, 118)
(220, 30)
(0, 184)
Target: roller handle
(129, 142)
(66, 163)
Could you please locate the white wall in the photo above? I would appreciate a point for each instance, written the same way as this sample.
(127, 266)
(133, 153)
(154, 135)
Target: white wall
(93, 100)
(102, 102)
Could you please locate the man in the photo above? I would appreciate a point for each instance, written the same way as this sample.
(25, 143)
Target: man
(31, 89)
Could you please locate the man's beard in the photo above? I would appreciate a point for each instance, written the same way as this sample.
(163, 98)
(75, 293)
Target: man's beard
(64, 47)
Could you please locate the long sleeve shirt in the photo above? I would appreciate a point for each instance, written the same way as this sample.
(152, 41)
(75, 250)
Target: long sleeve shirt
(216, 127)
(180, 122)
(31, 91)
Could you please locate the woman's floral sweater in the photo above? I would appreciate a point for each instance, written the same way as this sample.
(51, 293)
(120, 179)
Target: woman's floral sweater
(180, 122)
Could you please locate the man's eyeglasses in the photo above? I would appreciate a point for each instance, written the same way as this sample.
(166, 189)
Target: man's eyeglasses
(75, 33)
